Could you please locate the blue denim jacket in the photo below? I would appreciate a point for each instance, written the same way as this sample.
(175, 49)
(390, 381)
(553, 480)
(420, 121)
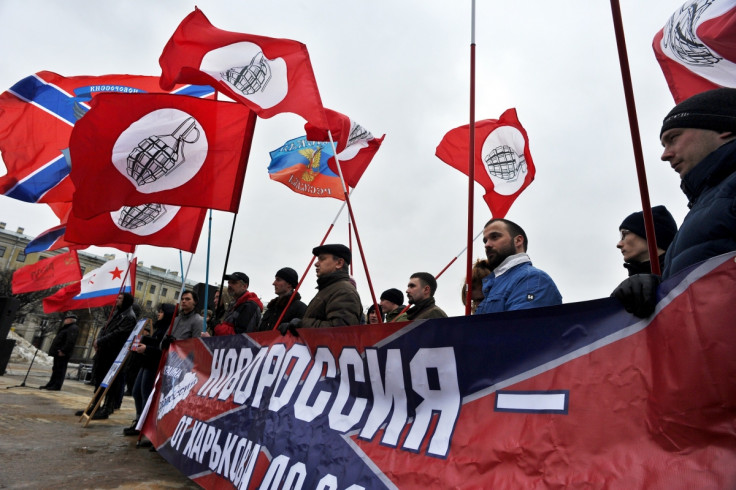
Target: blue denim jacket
(516, 285)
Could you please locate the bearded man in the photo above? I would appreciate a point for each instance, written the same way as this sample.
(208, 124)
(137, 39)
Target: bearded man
(514, 283)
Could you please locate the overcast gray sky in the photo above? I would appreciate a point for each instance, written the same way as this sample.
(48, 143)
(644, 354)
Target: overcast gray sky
(402, 68)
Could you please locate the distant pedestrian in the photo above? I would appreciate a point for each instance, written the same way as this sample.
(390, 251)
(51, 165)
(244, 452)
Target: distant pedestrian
(61, 350)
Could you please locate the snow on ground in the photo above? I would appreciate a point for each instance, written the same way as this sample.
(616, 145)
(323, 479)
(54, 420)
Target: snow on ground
(24, 350)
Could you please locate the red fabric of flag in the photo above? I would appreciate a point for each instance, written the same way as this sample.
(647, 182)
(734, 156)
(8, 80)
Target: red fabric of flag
(268, 75)
(696, 49)
(133, 149)
(355, 145)
(98, 287)
(37, 115)
(162, 225)
(47, 273)
(503, 162)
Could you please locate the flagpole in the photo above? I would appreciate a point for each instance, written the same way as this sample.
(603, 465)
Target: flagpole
(306, 271)
(457, 257)
(207, 275)
(351, 217)
(471, 162)
(406, 308)
(635, 136)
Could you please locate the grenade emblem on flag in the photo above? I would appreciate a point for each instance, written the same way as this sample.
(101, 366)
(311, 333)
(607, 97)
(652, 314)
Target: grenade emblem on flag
(157, 156)
(251, 78)
(133, 217)
(680, 35)
(358, 133)
(503, 162)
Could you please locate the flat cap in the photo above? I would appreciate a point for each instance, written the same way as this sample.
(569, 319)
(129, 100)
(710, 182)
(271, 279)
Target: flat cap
(336, 249)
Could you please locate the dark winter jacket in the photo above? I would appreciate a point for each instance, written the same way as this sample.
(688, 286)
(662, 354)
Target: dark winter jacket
(65, 340)
(276, 306)
(643, 267)
(421, 310)
(709, 229)
(243, 316)
(336, 304)
(113, 335)
(152, 355)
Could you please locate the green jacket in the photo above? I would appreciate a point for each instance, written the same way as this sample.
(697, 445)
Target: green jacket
(422, 310)
(336, 304)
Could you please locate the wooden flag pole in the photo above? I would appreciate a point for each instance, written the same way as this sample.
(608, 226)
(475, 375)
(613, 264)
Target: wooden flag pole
(471, 163)
(635, 136)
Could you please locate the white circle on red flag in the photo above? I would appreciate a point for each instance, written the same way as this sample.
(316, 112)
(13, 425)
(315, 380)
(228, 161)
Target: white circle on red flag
(157, 223)
(248, 72)
(505, 148)
(160, 151)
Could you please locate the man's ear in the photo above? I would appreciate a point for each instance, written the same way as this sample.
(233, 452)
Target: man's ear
(519, 242)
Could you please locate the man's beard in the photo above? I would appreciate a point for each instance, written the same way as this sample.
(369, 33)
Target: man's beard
(500, 256)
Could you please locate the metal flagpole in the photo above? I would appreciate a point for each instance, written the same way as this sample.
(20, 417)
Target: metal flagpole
(635, 136)
(471, 163)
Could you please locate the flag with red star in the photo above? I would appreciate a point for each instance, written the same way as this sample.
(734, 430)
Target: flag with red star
(99, 287)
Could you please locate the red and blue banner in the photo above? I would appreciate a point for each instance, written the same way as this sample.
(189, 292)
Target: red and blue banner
(302, 165)
(577, 395)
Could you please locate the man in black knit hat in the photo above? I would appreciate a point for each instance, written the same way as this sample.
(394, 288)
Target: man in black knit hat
(283, 285)
(699, 139)
(633, 243)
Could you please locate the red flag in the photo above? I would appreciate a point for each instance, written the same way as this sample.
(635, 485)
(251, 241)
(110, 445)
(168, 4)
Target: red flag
(696, 49)
(37, 115)
(47, 273)
(98, 287)
(168, 149)
(503, 163)
(162, 225)
(355, 145)
(268, 75)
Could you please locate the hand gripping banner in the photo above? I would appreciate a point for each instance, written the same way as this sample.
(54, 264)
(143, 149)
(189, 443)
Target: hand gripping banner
(577, 395)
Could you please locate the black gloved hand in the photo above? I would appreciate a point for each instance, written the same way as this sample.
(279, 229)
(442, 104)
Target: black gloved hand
(638, 294)
(290, 326)
(166, 342)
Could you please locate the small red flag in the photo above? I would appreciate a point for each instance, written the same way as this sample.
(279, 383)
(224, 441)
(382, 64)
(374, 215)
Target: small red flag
(133, 149)
(47, 273)
(696, 49)
(355, 145)
(268, 75)
(503, 163)
(162, 225)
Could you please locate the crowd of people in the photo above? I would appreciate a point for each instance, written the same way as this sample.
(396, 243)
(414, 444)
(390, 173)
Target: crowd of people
(698, 138)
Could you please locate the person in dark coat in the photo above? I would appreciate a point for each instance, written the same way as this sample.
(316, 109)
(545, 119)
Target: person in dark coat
(699, 140)
(61, 350)
(110, 340)
(149, 353)
(633, 243)
(284, 284)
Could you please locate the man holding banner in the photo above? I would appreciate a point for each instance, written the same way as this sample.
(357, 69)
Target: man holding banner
(699, 140)
(109, 341)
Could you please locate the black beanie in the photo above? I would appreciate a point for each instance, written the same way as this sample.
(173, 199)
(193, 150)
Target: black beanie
(664, 225)
(713, 109)
(393, 295)
(289, 275)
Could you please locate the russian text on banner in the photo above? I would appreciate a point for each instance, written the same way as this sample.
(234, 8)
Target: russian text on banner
(551, 397)
(168, 149)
